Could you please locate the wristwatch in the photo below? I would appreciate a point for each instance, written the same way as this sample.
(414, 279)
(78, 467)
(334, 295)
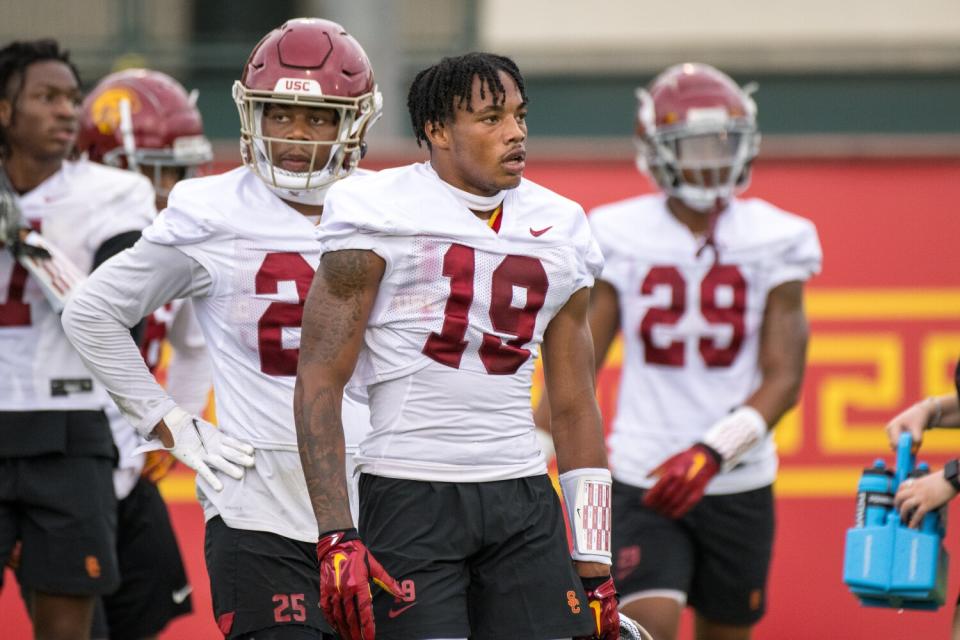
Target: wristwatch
(950, 472)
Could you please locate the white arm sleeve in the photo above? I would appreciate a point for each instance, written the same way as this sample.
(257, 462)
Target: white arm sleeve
(189, 372)
(120, 293)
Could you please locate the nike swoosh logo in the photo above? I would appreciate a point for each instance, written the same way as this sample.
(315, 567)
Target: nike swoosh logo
(699, 460)
(536, 233)
(338, 559)
(596, 614)
(179, 595)
(393, 613)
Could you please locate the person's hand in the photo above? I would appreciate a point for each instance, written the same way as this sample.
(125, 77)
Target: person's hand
(602, 598)
(681, 480)
(913, 420)
(201, 446)
(346, 570)
(917, 497)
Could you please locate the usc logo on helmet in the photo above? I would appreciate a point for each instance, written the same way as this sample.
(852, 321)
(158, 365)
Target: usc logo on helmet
(105, 110)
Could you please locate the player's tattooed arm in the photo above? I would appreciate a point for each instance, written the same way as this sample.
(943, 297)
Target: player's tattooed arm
(334, 319)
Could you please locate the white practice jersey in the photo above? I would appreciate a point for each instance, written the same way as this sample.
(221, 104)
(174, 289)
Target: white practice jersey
(452, 338)
(77, 209)
(261, 256)
(691, 325)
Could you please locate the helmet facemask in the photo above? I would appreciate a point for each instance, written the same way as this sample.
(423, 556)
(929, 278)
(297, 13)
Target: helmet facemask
(343, 153)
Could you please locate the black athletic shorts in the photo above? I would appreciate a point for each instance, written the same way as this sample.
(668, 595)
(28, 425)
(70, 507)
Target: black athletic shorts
(484, 560)
(154, 588)
(260, 580)
(718, 553)
(64, 511)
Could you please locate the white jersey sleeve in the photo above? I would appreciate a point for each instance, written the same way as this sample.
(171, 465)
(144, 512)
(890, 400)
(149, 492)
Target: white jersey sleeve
(691, 325)
(607, 224)
(77, 210)
(133, 199)
(456, 327)
(117, 296)
(800, 257)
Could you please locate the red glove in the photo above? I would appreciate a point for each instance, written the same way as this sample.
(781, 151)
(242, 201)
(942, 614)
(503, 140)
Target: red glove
(682, 480)
(602, 598)
(346, 569)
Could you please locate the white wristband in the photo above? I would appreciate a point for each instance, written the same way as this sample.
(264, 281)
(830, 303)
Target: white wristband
(587, 495)
(734, 434)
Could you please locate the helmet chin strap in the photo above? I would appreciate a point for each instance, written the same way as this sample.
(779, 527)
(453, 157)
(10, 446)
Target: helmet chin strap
(713, 213)
(703, 201)
(306, 196)
(700, 205)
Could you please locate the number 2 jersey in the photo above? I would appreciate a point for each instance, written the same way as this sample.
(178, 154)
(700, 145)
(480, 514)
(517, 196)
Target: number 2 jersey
(461, 310)
(691, 324)
(77, 209)
(246, 259)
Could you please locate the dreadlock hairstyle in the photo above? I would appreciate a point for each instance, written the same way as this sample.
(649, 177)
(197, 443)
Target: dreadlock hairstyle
(438, 91)
(14, 60)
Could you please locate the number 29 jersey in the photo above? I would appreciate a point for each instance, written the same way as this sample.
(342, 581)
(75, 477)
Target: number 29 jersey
(450, 345)
(691, 322)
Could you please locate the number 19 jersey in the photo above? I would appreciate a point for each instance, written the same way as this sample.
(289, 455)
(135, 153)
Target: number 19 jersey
(449, 349)
(691, 322)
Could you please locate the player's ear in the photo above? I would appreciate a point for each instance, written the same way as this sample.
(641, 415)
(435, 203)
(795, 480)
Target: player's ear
(438, 134)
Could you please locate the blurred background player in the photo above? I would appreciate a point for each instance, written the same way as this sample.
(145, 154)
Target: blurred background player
(145, 121)
(707, 289)
(56, 450)
(439, 283)
(242, 245)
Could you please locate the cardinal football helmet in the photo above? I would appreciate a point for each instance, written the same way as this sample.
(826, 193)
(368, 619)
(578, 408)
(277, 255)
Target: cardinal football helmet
(138, 118)
(697, 134)
(315, 63)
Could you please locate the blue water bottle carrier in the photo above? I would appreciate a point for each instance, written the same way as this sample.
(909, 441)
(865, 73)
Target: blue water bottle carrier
(885, 563)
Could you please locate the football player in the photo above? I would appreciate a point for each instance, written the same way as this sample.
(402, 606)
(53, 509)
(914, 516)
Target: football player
(439, 283)
(707, 289)
(242, 246)
(144, 120)
(56, 450)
